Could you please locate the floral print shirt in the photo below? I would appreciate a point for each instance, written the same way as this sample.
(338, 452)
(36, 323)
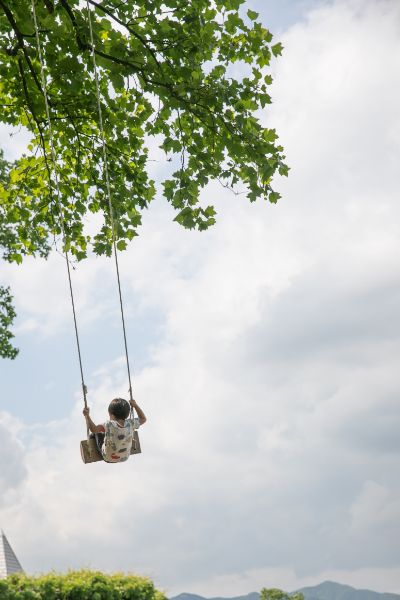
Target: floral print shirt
(118, 440)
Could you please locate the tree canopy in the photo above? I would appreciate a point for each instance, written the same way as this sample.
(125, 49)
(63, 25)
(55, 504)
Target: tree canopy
(188, 76)
(79, 585)
(277, 594)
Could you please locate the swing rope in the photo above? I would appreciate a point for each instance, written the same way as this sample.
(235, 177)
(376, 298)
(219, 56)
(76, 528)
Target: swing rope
(108, 187)
(58, 196)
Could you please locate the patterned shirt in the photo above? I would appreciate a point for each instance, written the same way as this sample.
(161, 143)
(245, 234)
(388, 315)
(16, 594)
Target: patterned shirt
(118, 439)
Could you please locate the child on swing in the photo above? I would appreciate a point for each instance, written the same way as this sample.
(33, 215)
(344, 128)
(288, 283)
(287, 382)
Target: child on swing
(114, 438)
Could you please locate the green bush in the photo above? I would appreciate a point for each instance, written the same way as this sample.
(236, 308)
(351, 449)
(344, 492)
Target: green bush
(79, 585)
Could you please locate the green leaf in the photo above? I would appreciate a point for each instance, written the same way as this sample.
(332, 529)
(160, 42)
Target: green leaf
(121, 245)
(274, 197)
(252, 15)
(277, 49)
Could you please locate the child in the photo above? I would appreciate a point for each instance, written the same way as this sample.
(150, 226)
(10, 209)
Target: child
(114, 438)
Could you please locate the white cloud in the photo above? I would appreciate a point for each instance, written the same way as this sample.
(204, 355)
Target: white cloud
(43, 298)
(12, 464)
(271, 451)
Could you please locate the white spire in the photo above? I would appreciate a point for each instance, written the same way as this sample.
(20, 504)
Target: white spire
(9, 563)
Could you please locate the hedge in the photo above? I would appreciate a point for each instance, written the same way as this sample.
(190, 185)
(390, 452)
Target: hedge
(78, 585)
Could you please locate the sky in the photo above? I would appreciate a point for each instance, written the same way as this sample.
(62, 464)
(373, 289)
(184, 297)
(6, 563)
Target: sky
(264, 354)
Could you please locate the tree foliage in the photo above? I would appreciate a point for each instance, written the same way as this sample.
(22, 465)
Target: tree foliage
(8, 237)
(7, 315)
(78, 585)
(169, 72)
(277, 594)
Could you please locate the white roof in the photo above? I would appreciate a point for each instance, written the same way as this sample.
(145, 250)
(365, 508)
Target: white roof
(9, 563)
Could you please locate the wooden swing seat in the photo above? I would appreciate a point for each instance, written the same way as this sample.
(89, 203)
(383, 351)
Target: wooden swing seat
(90, 453)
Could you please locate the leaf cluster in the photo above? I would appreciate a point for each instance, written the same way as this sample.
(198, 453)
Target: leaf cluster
(165, 72)
(79, 585)
(8, 241)
(7, 316)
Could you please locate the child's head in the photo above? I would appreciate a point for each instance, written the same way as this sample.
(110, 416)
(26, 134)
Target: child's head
(119, 408)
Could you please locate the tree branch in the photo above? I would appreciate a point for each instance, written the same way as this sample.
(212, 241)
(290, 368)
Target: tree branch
(20, 41)
(81, 44)
(129, 28)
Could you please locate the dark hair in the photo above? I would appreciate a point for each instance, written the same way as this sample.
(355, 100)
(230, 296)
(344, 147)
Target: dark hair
(119, 408)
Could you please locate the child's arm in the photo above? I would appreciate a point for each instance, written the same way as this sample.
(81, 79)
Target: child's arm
(92, 426)
(140, 413)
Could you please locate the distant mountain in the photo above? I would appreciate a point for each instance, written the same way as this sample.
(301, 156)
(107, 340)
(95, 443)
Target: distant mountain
(329, 590)
(251, 596)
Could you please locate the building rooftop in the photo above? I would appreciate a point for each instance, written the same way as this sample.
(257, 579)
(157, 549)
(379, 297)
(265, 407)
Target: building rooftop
(9, 563)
